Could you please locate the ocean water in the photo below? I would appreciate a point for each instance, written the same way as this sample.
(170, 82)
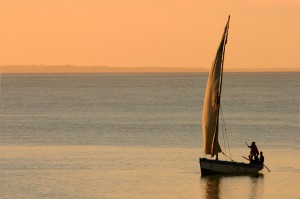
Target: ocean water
(140, 135)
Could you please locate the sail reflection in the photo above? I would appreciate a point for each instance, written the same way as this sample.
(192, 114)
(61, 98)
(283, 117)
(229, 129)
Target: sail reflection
(229, 186)
(212, 189)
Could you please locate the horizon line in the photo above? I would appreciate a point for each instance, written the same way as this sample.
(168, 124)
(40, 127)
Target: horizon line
(77, 69)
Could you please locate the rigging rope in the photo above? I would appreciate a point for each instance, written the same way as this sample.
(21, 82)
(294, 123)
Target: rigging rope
(228, 157)
(225, 134)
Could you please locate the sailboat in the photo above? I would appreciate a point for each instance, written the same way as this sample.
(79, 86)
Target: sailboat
(210, 121)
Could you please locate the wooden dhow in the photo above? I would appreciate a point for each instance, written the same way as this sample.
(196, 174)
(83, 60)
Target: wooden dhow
(210, 121)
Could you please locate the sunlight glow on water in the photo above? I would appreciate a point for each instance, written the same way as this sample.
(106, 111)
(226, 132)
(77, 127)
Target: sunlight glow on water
(133, 172)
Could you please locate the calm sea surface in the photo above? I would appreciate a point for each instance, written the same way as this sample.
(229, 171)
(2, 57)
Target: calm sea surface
(140, 135)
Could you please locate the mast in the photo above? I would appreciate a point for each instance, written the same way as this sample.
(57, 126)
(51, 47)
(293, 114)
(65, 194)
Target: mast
(221, 82)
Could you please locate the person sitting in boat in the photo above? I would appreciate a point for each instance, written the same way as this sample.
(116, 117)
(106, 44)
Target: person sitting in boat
(262, 158)
(254, 151)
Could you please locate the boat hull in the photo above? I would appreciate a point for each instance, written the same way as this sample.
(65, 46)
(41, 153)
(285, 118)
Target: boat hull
(210, 167)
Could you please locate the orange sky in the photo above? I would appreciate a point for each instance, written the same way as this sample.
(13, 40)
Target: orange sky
(143, 33)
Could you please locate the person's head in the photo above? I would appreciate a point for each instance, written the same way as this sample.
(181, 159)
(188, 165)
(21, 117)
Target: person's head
(261, 153)
(253, 143)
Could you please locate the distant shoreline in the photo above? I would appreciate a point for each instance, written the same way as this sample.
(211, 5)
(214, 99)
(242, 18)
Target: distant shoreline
(70, 69)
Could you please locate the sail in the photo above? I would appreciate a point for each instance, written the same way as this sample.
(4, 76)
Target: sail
(211, 105)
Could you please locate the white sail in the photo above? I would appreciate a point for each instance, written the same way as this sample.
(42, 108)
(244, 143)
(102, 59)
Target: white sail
(211, 105)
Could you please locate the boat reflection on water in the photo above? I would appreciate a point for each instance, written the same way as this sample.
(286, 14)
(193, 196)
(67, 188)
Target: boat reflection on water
(232, 186)
(212, 188)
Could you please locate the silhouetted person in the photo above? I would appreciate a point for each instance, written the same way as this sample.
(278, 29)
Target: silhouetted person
(256, 159)
(250, 159)
(254, 150)
(261, 158)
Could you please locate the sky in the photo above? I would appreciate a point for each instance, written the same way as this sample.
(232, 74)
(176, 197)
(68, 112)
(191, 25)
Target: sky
(149, 33)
